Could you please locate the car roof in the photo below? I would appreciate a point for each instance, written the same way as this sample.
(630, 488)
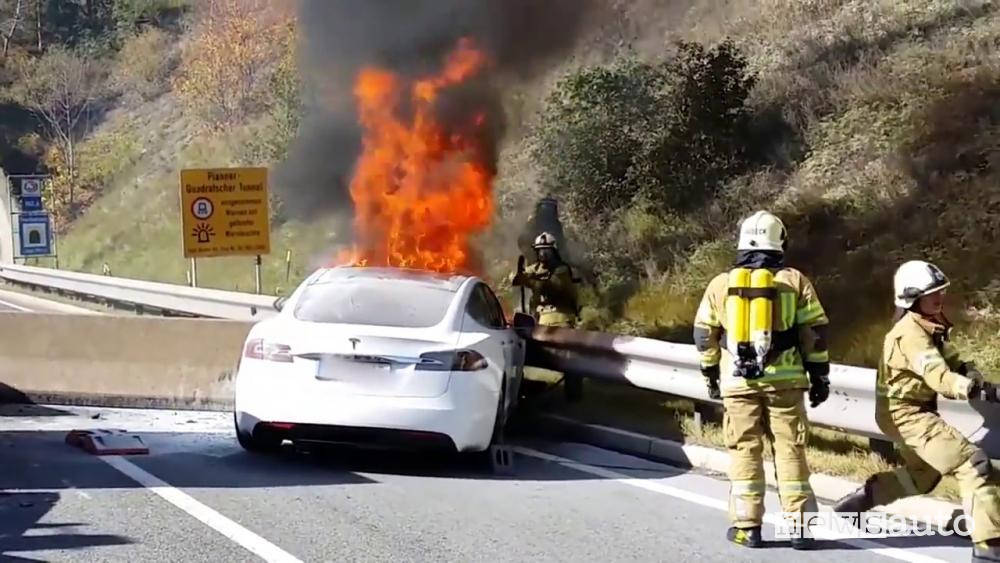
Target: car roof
(450, 282)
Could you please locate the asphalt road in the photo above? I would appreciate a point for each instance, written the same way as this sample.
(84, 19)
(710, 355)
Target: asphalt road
(198, 497)
(12, 301)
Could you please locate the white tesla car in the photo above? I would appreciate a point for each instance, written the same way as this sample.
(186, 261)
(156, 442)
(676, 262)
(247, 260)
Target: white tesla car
(380, 357)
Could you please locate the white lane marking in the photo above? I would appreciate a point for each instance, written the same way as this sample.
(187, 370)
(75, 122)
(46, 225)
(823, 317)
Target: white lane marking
(240, 535)
(15, 307)
(71, 487)
(712, 502)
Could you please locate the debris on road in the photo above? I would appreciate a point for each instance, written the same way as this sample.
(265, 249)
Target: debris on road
(107, 442)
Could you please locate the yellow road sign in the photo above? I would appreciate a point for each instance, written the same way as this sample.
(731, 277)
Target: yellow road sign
(225, 212)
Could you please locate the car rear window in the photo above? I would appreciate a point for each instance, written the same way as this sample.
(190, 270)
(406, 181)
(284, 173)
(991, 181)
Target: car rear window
(378, 302)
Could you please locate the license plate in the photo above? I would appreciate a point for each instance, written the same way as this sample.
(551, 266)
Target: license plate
(336, 369)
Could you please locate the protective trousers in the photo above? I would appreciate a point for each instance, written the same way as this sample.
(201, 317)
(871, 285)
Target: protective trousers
(930, 448)
(781, 416)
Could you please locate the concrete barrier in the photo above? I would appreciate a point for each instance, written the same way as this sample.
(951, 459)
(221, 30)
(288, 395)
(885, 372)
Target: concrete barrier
(119, 361)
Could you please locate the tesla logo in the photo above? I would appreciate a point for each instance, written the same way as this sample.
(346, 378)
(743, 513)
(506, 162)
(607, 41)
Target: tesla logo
(354, 343)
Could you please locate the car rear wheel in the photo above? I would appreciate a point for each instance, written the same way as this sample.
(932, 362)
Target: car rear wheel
(498, 456)
(257, 445)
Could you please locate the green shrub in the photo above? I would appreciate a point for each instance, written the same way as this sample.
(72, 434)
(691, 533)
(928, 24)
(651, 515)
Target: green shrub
(669, 132)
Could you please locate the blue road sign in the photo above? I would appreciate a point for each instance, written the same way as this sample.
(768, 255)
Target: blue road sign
(35, 234)
(31, 204)
(31, 194)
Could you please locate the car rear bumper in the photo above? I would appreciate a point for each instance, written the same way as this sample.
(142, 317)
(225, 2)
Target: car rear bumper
(461, 419)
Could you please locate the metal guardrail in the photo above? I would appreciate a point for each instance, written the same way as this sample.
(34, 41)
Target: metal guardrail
(167, 297)
(641, 362)
(673, 369)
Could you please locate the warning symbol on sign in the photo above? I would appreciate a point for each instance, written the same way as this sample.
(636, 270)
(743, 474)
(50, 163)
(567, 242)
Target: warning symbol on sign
(204, 233)
(202, 208)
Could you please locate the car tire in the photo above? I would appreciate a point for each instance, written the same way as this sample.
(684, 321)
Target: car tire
(498, 458)
(255, 445)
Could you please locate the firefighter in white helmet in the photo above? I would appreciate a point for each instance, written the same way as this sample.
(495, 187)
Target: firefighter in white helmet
(761, 333)
(554, 298)
(918, 363)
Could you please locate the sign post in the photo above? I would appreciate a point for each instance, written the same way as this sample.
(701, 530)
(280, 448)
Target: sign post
(225, 212)
(256, 273)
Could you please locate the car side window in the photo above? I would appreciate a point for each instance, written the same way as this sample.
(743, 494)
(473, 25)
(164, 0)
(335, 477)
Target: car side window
(499, 318)
(478, 308)
(483, 310)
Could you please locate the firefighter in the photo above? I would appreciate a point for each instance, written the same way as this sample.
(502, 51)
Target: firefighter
(760, 331)
(553, 295)
(918, 363)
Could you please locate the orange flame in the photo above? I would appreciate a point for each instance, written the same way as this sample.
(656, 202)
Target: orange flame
(421, 190)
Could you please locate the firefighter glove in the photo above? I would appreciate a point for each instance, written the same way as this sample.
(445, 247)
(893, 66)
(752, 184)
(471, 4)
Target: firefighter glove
(982, 389)
(711, 375)
(819, 389)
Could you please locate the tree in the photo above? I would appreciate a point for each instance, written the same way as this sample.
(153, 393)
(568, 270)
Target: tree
(283, 104)
(58, 88)
(669, 133)
(229, 60)
(10, 26)
(38, 24)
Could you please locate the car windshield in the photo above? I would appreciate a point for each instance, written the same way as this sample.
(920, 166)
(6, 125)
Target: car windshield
(380, 302)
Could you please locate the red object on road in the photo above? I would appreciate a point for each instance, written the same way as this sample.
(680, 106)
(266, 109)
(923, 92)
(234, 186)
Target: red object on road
(107, 442)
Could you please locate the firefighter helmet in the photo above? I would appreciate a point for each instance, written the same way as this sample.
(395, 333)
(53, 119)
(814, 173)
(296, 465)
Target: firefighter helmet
(762, 231)
(545, 240)
(915, 279)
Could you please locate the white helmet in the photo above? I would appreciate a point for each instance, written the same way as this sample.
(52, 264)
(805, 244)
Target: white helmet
(545, 240)
(762, 231)
(915, 279)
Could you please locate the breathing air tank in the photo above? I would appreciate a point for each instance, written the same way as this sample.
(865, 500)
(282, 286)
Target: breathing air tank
(761, 312)
(737, 311)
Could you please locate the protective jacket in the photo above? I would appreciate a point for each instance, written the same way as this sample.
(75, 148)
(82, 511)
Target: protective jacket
(553, 293)
(799, 325)
(919, 362)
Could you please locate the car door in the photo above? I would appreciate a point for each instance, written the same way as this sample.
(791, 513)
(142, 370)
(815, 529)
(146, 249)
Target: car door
(495, 345)
(511, 345)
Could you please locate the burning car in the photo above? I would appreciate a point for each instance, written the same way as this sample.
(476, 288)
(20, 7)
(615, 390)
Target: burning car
(381, 357)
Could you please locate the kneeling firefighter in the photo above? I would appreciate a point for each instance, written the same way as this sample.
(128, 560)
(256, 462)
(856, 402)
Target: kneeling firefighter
(918, 363)
(554, 298)
(761, 333)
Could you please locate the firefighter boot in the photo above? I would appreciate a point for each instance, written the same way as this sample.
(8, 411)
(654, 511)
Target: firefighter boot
(988, 550)
(747, 537)
(860, 500)
(803, 543)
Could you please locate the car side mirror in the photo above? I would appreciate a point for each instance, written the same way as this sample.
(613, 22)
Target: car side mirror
(523, 322)
(279, 303)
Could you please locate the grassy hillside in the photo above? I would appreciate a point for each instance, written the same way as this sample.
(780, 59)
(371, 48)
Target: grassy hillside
(875, 136)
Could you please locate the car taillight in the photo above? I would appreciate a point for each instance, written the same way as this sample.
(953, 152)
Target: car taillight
(457, 360)
(259, 349)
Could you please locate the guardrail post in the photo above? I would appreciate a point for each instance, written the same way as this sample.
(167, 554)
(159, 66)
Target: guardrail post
(706, 413)
(884, 449)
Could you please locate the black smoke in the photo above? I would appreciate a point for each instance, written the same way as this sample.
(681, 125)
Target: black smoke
(412, 38)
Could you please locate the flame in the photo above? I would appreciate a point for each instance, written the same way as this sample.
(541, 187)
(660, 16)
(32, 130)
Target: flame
(421, 189)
